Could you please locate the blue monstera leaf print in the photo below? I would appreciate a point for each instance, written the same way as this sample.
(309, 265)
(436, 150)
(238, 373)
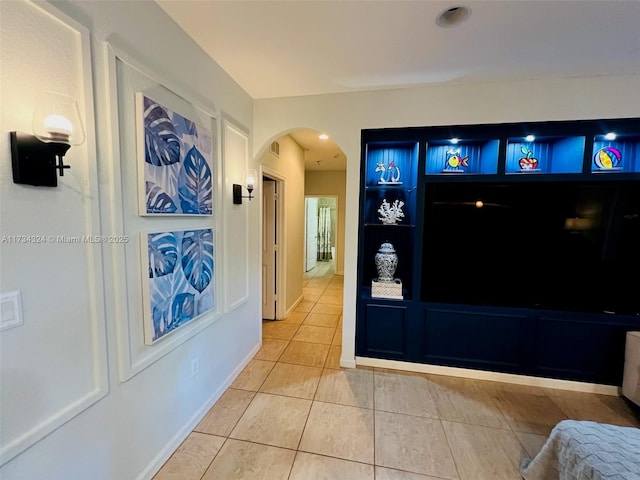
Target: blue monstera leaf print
(162, 144)
(197, 258)
(163, 254)
(158, 201)
(182, 309)
(195, 186)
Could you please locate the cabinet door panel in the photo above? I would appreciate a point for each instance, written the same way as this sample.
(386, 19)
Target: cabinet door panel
(467, 338)
(385, 330)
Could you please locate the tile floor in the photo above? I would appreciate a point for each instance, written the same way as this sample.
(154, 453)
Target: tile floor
(294, 414)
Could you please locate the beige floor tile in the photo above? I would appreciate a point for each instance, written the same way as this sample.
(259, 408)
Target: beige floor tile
(304, 306)
(333, 359)
(273, 420)
(310, 298)
(299, 381)
(253, 375)
(226, 412)
(416, 396)
(528, 412)
(296, 317)
(312, 290)
(339, 431)
(585, 406)
(464, 400)
(413, 444)
(271, 349)
(278, 329)
(483, 452)
(532, 442)
(322, 320)
(346, 387)
(192, 458)
(308, 466)
(309, 333)
(238, 460)
(623, 407)
(331, 299)
(337, 280)
(390, 474)
(303, 353)
(337, 337)
(324, 308)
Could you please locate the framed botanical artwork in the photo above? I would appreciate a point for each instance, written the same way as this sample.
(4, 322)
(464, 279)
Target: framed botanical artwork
(175, 162)
(179, 283)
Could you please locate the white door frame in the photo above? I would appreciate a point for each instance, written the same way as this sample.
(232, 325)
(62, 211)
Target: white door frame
(281, 256)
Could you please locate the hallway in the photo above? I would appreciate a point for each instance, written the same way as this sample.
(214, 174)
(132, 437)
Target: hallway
(294, 414)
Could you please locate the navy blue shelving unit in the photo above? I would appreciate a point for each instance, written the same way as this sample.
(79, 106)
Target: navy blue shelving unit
(511, 247)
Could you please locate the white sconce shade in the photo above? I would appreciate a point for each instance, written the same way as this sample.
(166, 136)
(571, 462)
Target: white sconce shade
(56, 119)
(250, 178)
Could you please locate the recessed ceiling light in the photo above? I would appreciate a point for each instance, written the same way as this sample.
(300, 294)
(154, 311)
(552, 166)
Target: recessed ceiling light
(323, 136)
(610, 136)
(453, 16)
(530, 138)
(454, 140)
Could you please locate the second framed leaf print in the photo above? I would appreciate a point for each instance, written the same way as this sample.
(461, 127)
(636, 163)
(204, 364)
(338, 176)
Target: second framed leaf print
(175, 162)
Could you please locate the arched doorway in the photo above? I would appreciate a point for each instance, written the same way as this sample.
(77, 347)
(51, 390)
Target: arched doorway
(293, 165)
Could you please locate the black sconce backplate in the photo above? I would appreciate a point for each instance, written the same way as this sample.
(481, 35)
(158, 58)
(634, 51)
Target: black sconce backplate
(35, 162)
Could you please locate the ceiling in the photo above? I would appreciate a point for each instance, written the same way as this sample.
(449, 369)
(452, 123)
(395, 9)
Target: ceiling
(277, 48)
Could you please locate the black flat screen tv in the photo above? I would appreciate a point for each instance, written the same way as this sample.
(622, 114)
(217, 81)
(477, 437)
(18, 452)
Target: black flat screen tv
(570, 246)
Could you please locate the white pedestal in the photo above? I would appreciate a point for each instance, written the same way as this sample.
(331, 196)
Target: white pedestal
(387, 289)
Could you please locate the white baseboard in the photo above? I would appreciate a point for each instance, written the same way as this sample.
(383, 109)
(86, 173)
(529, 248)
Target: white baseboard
(293, 307)
(347, 362)
(166, 452)
(490, 376)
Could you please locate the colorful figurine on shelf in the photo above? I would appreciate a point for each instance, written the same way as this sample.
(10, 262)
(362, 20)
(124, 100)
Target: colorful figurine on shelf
(390, 174)
(607, 158)
(529, 162)
(455, 162)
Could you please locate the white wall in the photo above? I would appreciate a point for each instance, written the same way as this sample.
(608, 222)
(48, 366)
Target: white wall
(343, 116)
(82, 395)
(331, 183)
(290, 166)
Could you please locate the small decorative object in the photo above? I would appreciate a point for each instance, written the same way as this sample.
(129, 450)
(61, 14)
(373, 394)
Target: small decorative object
(390, 214)
(455, 162)
(387, 289)
(175, 158)
(389, 174)
(608, 158)
(527, 163)
(386, 262)
(179, 266)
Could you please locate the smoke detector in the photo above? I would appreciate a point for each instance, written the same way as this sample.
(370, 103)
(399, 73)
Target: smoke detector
(453, 16)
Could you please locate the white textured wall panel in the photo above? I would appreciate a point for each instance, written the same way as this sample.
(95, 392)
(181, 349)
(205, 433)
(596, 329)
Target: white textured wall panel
(63, 331)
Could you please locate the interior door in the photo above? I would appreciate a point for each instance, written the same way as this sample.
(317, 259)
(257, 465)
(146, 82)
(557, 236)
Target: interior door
(311, 233)
(269, 250)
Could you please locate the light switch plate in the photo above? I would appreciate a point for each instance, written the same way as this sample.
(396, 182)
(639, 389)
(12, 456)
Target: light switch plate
(10, 310)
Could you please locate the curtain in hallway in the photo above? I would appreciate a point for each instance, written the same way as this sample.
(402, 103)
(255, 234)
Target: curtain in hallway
(324, 234)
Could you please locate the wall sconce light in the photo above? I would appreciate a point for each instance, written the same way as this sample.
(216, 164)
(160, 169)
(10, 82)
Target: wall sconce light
(250, 179)
(56, 126)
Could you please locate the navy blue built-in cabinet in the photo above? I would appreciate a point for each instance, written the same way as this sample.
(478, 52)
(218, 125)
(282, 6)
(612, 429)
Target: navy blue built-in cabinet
(518, 246)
